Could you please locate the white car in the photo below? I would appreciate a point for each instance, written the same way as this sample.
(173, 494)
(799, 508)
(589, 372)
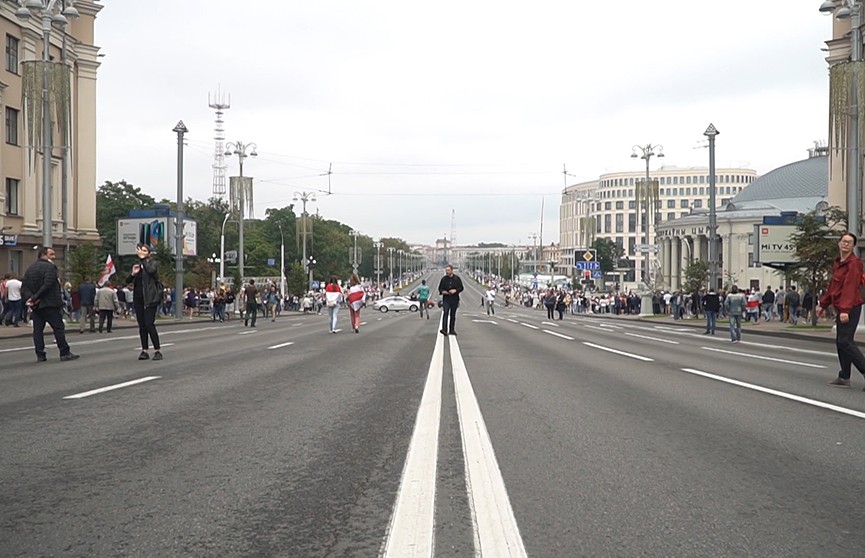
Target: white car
(396, 303)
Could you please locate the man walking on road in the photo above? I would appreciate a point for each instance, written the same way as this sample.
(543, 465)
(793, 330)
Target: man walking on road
(87, 300)
(41, 289)
(450, 288)
(711, 306)
(13, 301)
(843, 294)
(734, 304)
(423, 298)
(251, 294)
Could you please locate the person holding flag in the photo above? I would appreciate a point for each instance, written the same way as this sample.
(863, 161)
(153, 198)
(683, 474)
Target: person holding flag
(107, 272)
(355, 299)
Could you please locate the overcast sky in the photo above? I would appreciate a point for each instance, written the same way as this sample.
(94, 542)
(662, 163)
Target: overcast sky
(466, 108)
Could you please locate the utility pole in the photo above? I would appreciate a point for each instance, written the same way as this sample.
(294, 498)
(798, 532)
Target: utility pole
(180, 130)
(240, 192)
(710, 133)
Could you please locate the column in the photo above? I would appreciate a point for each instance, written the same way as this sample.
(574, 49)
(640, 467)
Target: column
(666, 262)
(698, 247)
(676, 261)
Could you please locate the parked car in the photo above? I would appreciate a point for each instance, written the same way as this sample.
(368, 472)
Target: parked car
(396, 303)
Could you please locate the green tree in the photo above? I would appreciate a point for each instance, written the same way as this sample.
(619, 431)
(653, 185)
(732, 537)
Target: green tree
(83, 263)
(608, 253)
(696, 276)
(816, 247)
(296, 279)
(114, 200)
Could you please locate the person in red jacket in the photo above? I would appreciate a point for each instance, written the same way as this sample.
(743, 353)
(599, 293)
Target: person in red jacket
(843, 294)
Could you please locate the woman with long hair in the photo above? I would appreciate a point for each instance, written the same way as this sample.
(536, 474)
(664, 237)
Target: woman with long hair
(146, 297)
(356, 297)
(332, 298)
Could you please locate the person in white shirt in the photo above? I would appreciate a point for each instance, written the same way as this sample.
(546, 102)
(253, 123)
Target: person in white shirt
(490, 300)
(13, 294)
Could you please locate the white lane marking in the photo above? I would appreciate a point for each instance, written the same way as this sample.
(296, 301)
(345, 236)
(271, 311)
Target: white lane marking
(675, 329)
(793, 349)
(412, 524)
(496, 530)
(557, 334)
(247, 332)
(790, 396)
(513, 321)
(610, 326)
(298, 325)
(550, 324)
(749, 355)
(111, 388)
(162, 345)
(529, 325)
(605, 330)
(608, 349)
(362, 323)
(282, 345)
(486, 322)
(653, 338)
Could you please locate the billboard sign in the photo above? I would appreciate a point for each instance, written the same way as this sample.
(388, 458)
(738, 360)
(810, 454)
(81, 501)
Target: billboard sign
(774, 245)
(154, 231)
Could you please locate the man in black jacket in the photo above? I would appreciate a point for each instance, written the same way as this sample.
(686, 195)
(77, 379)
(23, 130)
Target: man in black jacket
(450, 288)
(41, 291)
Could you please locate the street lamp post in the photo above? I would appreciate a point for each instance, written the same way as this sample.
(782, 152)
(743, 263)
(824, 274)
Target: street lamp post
(305, 197)
(390, 250)
(710, 133)
(222, 250)
(377, 246)
(51, 13)
(213, 260)
(648, 151)
(400, 253)
(281, 262)
(180, 129)
(240, 149)
(354, 262)
(852, 9)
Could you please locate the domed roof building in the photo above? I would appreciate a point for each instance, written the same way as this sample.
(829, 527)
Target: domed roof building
(797, 187)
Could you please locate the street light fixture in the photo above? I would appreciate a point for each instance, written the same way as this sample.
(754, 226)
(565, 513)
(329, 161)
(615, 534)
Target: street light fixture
(844, 9)
(648, 151)
(305, 197)
(354, 262)
(377, 246)
(213, 260)
(53, 13)
(390, 251)
(281, 262)
(242, 150)
(710, 133)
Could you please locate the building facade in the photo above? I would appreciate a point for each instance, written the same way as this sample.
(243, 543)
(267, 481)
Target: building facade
(608, 208)
(73, 176)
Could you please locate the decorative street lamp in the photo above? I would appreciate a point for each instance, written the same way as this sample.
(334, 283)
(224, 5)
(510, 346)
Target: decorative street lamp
(305, 197)
(354, 262)
(213, 260)
(710, 133)
(241, 193)
(377, 246)
(647, 196)
(54, 91)
(390, 251)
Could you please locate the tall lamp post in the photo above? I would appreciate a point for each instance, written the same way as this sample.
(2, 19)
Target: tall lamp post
(52, 13)
(281, 262)
(377, 246)
(354, 262)
(390, 251)
(180, 129)
(305, 197)
(222, 250)
(400, 252)
(242, 150)
(852, 9)
(710, 133)
(213, 260)
(647, 152)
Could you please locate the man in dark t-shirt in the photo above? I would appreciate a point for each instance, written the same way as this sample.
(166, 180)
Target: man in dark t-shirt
(450, 288)
(250, 293)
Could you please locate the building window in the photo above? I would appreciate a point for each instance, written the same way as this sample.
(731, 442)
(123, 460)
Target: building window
(683, 203)
(11, 54)
(620, 222)
(632, 222)
(750, 239)
(671, 204)
(608, 220)
(671, 216)
(687, 180)
(12, 186)
(675, 180)
(702, 191)
(11, 126)
(620, 205)
(687, 191)
(750, 259)
(702, 179)
(698, 204)
(632, 204)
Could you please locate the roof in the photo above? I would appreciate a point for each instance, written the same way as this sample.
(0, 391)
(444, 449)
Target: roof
(808, 178)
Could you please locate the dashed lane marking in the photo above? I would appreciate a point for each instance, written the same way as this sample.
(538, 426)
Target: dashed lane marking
(790, 396)
(557, 334)
(529, 325)
(653, 338)
(623, 353)
(111, 388)
(759, 357)
(281, 345)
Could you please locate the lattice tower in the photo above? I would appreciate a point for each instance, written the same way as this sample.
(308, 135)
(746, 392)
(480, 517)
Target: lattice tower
(219, 103)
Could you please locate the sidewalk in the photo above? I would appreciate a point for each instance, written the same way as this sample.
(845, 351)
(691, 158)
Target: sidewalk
(823, 332)
(24, 330)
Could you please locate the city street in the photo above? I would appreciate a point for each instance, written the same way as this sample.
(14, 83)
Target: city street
(590, 436)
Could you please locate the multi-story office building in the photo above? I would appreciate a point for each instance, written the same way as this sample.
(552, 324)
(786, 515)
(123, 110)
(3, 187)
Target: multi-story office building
(608, 208)
(73, 192)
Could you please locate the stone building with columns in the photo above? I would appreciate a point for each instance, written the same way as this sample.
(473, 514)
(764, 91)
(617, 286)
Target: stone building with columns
(607, 208)
(73, 207)
(800, 187)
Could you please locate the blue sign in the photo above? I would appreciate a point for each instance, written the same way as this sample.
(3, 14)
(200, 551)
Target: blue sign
(315, 285)
(588, 266)
(271, 261)
(8, 240)
(597, 275)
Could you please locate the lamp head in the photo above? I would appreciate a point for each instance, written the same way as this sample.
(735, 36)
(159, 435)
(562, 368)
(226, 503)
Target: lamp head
(23, 13)
(70, 12)
(843, 13)
(827, 7)
(661, 154)
(34, 5)
(253, 154)
(634, 155)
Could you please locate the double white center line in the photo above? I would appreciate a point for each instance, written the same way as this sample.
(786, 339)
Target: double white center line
(413, 523)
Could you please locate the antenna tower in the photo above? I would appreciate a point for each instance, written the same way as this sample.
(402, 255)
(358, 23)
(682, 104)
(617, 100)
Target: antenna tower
(219, 103)
(453, 226)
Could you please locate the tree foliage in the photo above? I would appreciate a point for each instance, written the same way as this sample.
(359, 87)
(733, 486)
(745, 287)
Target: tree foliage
(816, 247)
(696, 276)
(608, 253)
(114, 200)
(84, 262)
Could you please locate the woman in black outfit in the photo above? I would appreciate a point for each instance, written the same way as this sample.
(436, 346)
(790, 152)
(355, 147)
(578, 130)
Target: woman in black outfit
(146, 297)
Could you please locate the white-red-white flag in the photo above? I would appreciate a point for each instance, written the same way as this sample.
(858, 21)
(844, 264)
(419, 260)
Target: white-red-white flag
(107, 272)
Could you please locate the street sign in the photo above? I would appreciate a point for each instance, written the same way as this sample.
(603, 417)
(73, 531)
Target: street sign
(588, 266)
(231, 256)
(585, 256)
(654, 248)
(8, 240)
(271, 261)
(597, 275)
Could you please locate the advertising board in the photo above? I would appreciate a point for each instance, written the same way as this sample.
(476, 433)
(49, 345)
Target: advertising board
(773, 244)
(154, 231)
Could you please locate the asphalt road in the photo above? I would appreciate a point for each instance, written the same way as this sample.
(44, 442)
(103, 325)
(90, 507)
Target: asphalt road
(519, 437)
